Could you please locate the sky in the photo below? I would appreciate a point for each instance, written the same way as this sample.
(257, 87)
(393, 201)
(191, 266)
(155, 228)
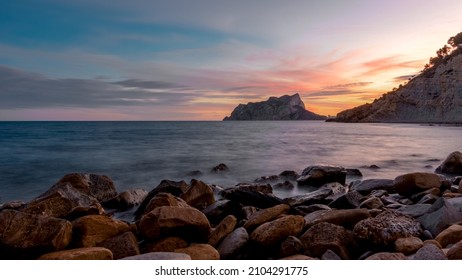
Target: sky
(198, 59)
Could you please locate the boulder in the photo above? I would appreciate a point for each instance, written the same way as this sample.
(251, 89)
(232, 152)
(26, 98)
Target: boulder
(92, 230)
(126, 200)
(160, 256)
(415, 210)
(165, 186)
(286, 185)
(266, 215)
(251, 198)
(200, 252)
(387, 256)
(233, 244)
(265, 179)
(221, 209)
(372, 203)
(289, 175)
(318, 175)
(270, 233)
(326, 236)
(199, 195)
(121, 246)
(12, 205)
(90, 253)
(408, 245)
(386, 228)
(455, 252)
(440, 216)
(452, 164)
(27, 236)
(429, 252)
(307, 209)
(165, 199)
(451, 235)
(350, 200)
(310, 198)
(365, 187)
(222, 230)
(290, 246)
(189, 223)
(354, 172)
(412, 183)
(220, 168)
(347, 218)
(167, 244)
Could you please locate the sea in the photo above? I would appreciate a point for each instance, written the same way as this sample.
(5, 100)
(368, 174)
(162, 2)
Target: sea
(35, 155)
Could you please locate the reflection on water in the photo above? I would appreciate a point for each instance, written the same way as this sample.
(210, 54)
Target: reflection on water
(140, 154)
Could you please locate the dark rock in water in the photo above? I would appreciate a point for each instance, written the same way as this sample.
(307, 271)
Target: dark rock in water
(195, 173)
(263, 188)
(387, 256)
(289, 175)
(233, 244)
(283, 108)
(440, 216)
(346, 218)
(337, 190)
(350, 200)
(286, 185)
(265, 179)
(354, 172)
(457, 180)
(26, 236)
(411, 183)
(126, 199)
(373, 166)
(309, 198)
(429, 252)
(415, 210)
(220, 168)
(251, 198)
(452, 164)
(318, 175)
(367, 186)
(222, 208)
(166, 186)
(386, 228)
(325, 236)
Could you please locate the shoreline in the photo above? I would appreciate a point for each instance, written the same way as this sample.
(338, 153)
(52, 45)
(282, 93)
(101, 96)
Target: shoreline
(82, 216)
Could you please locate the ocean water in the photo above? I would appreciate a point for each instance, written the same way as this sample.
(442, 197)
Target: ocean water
(34, 155)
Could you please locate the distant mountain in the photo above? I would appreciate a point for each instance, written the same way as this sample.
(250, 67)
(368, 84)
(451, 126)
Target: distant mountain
(434, 96)
(275, 108)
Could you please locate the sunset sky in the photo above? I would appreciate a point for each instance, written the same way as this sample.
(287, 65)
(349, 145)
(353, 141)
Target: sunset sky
(197, 59)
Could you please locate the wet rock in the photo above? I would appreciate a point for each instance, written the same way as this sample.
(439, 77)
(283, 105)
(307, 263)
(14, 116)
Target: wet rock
(200, 252)
(330, 255)
(434, 242)
(165, 186)
(252, 198)
(290, 246)
(90, 253)
(304, 210)
(451, 235)
(286, 185)
(408, 245)
(12, 205)
(347, 218)
(27, 236)
(165, 199)
(439, 216)
(263, 188)
(387, 256)
(421, 195)
(195, 173)
(265, 179)
(92, 230)
(349, 200)
(309, 198)
(367, 186)
(121, 246)
(160, 256)
(428, 199)
(452, 164)
(188, 223)
(222, 208)
(226, 226)
(248, 211)
(455, 252)
(167, 244)
(126, 200)
(199, 195)
(354, 172)
(289, 175)
(270, 233)
(337, 190)
(318, 175)
(429, 252)
(411, 183)
(326, 236)
(415, 210)
(386, 228)
(266, 215)
(233, 244)
(220, 168)
(372, 203)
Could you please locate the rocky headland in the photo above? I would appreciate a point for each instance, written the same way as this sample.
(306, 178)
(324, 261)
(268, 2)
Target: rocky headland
(415, 216)
(287, 107)
(433, 96)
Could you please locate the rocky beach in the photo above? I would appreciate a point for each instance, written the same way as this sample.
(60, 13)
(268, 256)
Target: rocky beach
(415, 216)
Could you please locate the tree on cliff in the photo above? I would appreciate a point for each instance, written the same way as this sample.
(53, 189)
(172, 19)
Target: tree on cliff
(456, 40)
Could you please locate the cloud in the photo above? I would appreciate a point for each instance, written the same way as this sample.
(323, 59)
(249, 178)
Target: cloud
(384, 64)
(349, 85)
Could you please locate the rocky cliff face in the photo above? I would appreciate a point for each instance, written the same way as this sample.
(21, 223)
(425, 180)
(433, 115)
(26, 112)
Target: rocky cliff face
(283, 108)
(434, 96)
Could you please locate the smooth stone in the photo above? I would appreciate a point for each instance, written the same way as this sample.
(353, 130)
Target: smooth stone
(387, 256)
(263, 188)
(199, 195)
(290, 246)
(330, 255)
(221, 209)
(200, 252)
(233, 244)
(440, 216)
(415, 210)
(451, 235)
(309, 198)
(349, 200)
(100, 187)
(408, 245)
(347, 218)
(354, 172)
(124, 245)
(270, 233)
(367, 186)
(222, 230)
(167, 244)
(165, 199)
(90, 231)
(307, 209)
(429, 252)
(411, 183)
(251, 198)
(298, 257)
(126, 200)
(434, 242)
(455, 252)
(266, 215)
(265, 179)
(289, 175)
(452, 164)
(318, 175)
(89, 253)
(371, 203)
(160, 256)
(248, 211)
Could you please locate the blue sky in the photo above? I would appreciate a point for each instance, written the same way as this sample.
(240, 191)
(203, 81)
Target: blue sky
(196, 60)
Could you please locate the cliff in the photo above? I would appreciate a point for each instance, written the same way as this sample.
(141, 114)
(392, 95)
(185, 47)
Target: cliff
(434, 96)
(283, 108)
